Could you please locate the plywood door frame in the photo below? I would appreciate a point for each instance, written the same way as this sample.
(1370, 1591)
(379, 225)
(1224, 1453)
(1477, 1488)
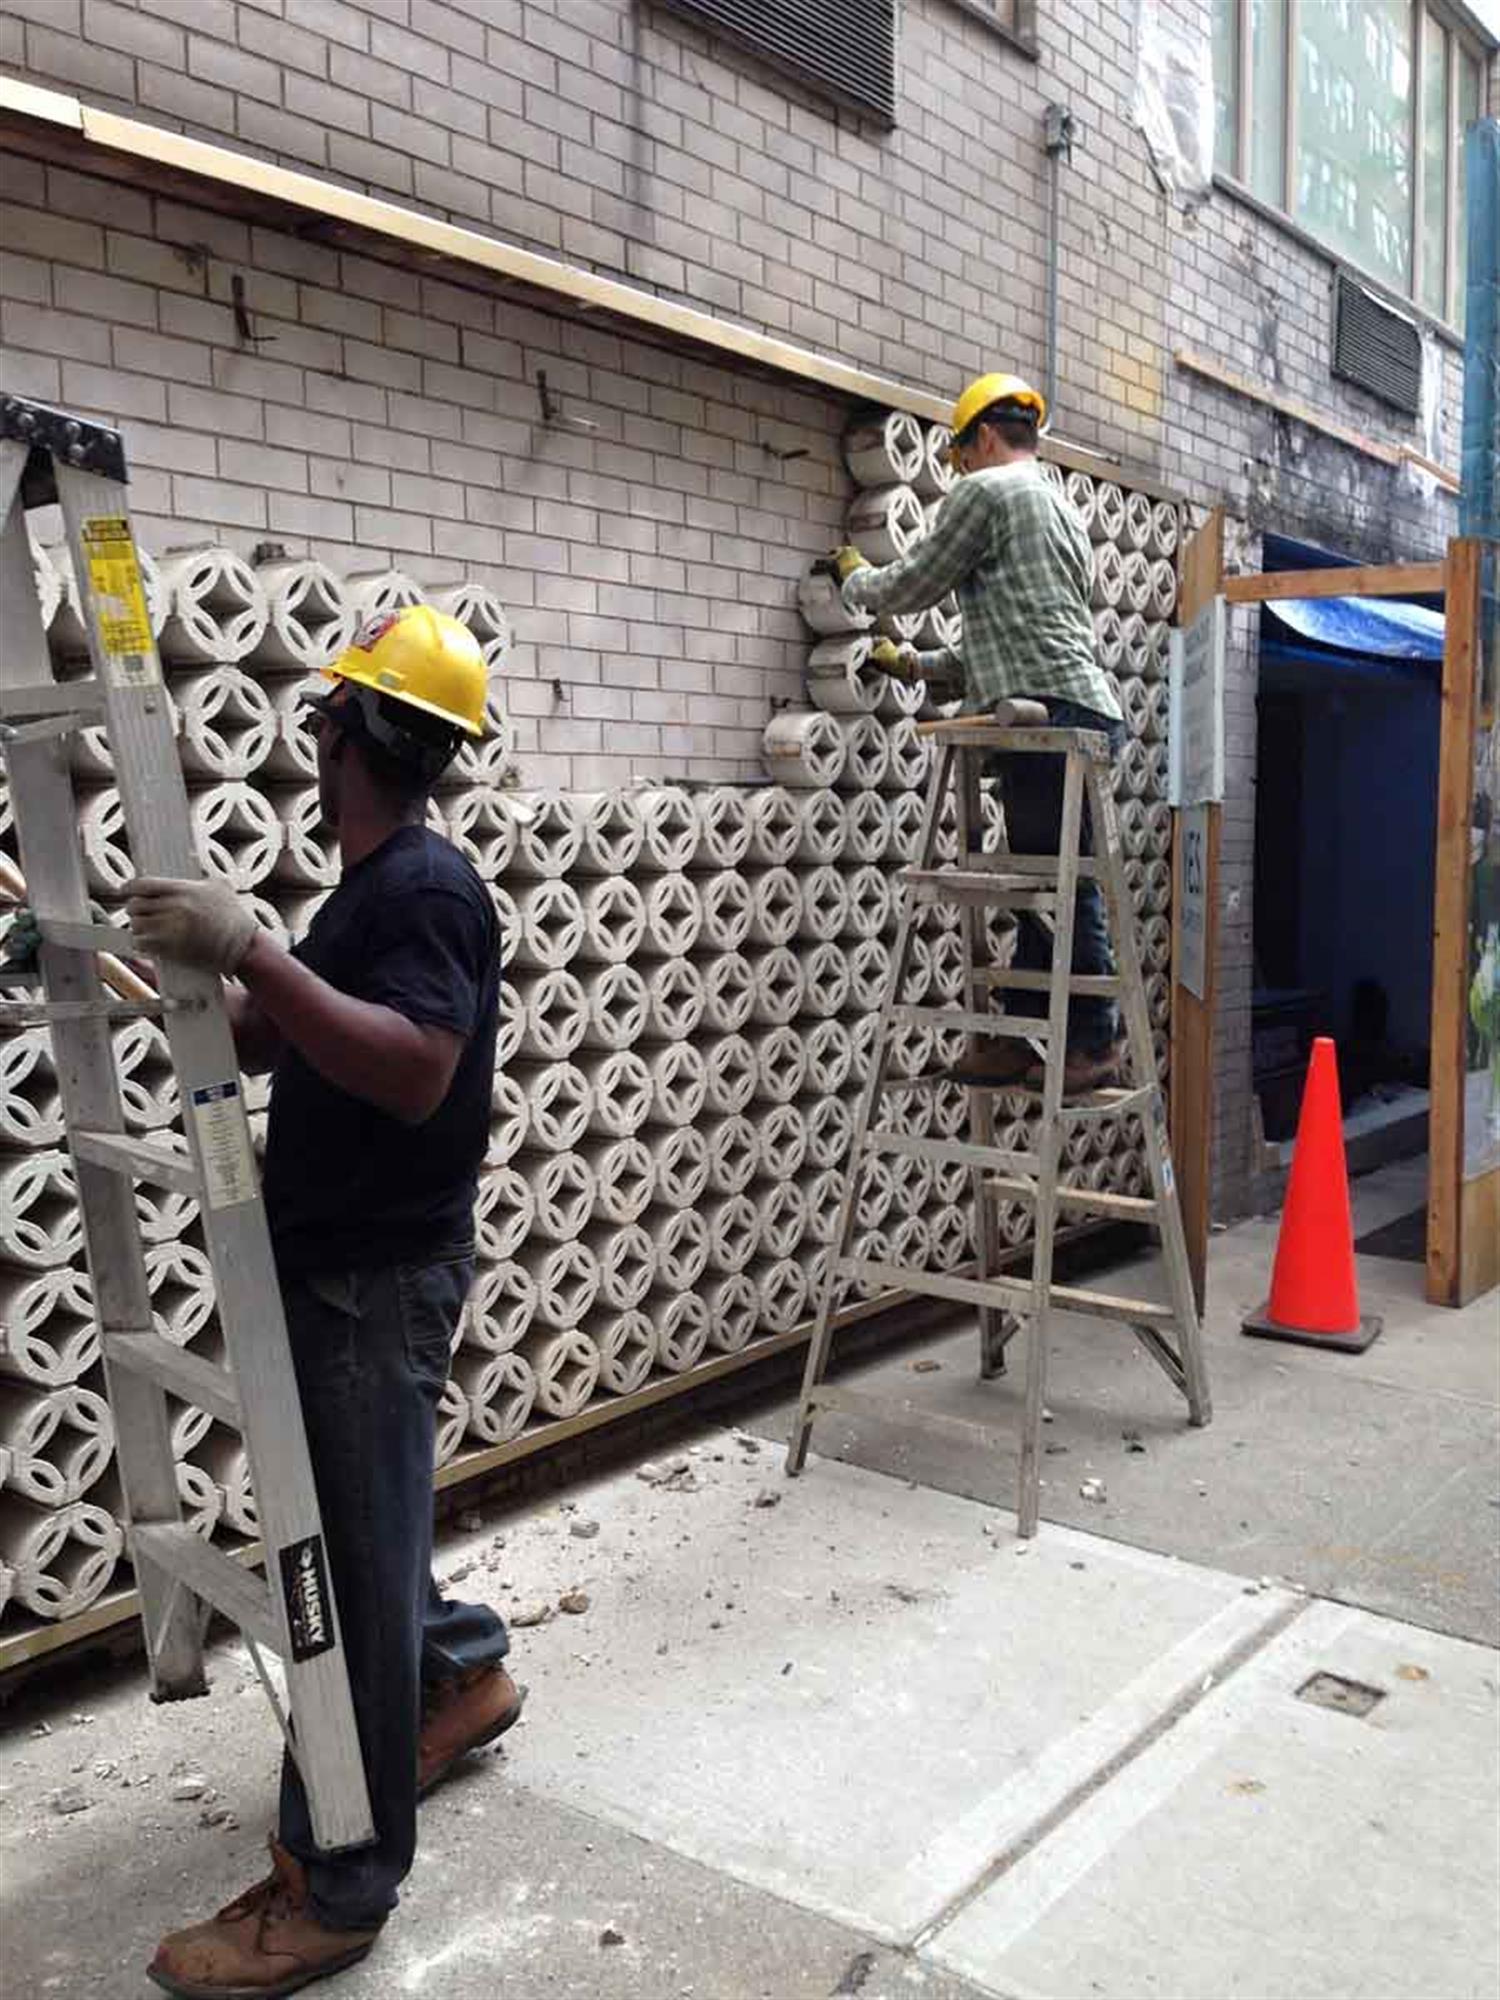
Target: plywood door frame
(1193, 1019)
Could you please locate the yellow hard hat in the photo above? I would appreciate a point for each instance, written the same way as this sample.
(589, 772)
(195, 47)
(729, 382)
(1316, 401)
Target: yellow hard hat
(421, 657)
(988, 390)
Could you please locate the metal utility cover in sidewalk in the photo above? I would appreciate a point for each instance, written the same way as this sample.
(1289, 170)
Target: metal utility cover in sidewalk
(1265, 1845)
(893, 1697)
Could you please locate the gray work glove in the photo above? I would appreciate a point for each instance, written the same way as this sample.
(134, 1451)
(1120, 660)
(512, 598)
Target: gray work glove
(199, 923)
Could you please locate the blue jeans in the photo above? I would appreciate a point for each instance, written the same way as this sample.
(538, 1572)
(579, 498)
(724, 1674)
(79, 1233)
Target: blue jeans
(1031, 790)
(371, 1352)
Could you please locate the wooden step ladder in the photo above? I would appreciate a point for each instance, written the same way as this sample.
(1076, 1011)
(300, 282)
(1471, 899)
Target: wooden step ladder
(1046, 885)
(47, 456)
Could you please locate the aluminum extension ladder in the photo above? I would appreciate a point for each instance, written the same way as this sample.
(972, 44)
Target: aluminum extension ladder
(1047, 885)
(47, 456)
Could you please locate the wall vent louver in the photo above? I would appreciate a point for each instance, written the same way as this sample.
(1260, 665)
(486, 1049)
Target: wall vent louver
(1375, 346)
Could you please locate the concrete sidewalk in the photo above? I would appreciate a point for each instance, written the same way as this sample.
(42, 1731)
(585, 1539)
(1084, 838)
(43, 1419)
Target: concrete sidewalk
(845, 1735)
(1371, 1478)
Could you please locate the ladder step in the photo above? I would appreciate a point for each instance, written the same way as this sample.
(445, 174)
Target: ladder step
(80, 935)
(134, 1157)
(1102, 1305)
(1023, 1027)
(1006, 1294)
(210, 1574)
(82, 699)
(976, 885)
(886, 1409)
(951, 1152)
(978, 732)
(1098, 985)
(1126, 1207)
(1110, 1103)
(188, 1375)
(43, 1013)
(1044, 866)
(1011, 1294)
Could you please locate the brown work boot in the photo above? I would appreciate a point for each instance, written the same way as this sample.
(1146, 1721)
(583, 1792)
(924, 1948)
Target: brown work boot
(993, 1064)
(269, 1942)
(1083, 1070)
(460, 1715)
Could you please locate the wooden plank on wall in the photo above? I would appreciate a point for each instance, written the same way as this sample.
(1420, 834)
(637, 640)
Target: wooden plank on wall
(1450, 927)
(1192, 1074)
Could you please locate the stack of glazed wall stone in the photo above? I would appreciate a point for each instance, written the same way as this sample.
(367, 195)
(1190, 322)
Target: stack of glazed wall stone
(691, 975)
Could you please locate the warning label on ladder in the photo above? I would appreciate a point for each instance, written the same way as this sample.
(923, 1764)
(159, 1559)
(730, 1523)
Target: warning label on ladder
(224, 1144)
(120, 600)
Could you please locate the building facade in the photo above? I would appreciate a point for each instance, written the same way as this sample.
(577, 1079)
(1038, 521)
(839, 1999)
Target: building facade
(645, 510)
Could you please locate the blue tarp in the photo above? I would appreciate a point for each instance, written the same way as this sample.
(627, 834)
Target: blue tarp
(1378, 626)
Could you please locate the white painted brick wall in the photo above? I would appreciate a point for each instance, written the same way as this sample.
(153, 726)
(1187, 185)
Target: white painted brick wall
(650, 563)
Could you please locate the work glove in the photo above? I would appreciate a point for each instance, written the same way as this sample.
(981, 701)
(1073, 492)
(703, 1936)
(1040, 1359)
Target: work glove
(198, 923)
(900, 662)
(841, 564)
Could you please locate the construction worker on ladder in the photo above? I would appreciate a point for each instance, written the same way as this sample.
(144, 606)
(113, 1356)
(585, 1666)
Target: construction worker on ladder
(1015, 553)
(379, 1029)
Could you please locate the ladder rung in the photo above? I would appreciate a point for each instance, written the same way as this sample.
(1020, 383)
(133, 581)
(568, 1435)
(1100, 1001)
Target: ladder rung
(1097, 984)
(951, 1152)
(975, 732)
(138, 1159)
(1025, 1027)
(1102, 1305)
(44, 729)
(976, 885)
(1043, 865)
(188, 1375)
(1127, 1207)
(42, 1013)
(78, 934)
(210, 1574)
(81, 699)
(1014, 1294)
(1109, 1103)
(1008, 1294)
(885, 1409)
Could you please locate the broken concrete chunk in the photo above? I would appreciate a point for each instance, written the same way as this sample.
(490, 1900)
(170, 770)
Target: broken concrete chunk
(575, 1602)
(72, 1799)
(530, 1614)
(1092, 1489)
(925, 1366)
(583, 1531)
(191, 1785)
(768, 1496)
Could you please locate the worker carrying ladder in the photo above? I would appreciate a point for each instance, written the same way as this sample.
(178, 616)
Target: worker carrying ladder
(1047, 886)
(46, 457)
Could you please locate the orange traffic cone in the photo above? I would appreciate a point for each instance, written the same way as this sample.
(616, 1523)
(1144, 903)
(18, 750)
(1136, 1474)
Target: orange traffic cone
(1314, 1293)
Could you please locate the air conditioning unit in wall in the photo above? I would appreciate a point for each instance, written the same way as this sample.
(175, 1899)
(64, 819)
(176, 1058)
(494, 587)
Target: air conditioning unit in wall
(1376, 346)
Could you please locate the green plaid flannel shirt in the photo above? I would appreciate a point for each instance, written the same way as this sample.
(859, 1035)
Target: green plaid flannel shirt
(1017, 556)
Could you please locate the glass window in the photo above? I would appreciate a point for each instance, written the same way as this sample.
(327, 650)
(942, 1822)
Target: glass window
(1268, 99)
(1226, 32)
(1469, 95)
(1354, 130)
(1434, 167)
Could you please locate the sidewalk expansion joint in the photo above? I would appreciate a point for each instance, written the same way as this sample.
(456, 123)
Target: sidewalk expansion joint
(1239, 1655)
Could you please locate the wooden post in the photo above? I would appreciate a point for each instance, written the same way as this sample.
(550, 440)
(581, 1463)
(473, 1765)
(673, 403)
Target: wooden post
(1192, 1078)
(1450, 928)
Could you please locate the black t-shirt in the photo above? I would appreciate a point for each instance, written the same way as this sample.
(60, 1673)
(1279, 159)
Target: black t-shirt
(410, 927)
